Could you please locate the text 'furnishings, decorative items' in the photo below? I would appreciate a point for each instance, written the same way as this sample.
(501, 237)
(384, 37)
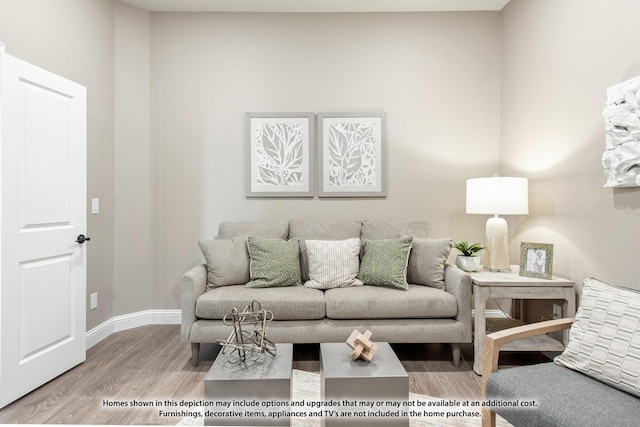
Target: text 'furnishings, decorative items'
(621, 159)
(497, 196)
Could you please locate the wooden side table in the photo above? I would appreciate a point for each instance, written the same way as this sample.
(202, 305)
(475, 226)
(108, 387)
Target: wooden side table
(488, 285)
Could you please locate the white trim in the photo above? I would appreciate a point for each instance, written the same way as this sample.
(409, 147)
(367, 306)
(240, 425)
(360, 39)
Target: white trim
(132, 320)
(493, 313)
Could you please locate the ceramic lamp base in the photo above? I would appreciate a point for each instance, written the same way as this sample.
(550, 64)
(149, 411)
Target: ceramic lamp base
(497, 246)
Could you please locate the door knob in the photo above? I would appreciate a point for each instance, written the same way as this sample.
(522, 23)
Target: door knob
(82, 238)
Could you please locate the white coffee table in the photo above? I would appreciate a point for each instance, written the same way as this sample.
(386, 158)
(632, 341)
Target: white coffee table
(382, 379)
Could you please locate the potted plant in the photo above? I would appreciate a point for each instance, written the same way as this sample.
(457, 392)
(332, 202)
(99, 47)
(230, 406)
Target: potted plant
(468, 260)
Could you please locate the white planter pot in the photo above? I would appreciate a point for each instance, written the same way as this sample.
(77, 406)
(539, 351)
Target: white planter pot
(468, 263)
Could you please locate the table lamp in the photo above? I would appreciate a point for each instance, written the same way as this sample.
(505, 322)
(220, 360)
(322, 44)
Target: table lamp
(497, 196)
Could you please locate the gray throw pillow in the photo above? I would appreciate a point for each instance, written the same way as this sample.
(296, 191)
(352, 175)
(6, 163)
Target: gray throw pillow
(227, 261)
(384, 262)
(273, 262)
(427, 260)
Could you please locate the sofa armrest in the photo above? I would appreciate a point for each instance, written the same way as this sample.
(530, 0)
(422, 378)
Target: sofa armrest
(494, 341)
(194, 284)
(458, 283)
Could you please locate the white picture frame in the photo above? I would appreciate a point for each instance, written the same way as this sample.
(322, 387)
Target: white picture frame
(352, 154)
(280, 155)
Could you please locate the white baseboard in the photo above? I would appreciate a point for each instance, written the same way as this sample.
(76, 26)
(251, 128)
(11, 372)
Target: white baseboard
(493, 313)
(132, 320)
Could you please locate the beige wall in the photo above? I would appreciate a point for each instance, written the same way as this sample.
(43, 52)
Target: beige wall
(466, 94)
(435, 74)
(558, 58)
(133, 188)
(75, 39)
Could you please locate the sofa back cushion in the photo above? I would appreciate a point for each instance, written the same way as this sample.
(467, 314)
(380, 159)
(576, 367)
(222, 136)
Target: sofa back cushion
(227, 230)
(303, 230)
(604, 340)
(374, 230)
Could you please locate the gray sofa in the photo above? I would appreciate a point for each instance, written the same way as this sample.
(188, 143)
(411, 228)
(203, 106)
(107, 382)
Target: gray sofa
(420, 314)
(594, 382)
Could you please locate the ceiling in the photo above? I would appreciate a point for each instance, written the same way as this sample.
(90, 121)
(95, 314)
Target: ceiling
(317, 5)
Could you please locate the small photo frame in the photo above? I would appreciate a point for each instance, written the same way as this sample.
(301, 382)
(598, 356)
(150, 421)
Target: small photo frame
(536, 260)
(280, 154)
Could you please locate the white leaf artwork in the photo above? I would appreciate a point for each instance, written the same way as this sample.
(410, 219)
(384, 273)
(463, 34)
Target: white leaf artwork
(352, 154)
(279, 154)
(621, 159)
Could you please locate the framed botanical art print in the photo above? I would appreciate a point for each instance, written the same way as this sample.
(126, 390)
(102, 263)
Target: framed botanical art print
(280, 154)
(536, 260)
(351, 151)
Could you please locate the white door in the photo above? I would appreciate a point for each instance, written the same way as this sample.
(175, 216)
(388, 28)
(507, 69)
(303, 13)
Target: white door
(42, 211)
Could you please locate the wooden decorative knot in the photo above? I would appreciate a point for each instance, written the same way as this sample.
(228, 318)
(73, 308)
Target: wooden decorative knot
(362, 346)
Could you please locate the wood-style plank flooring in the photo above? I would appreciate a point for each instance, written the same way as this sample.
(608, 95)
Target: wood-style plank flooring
(150, 363)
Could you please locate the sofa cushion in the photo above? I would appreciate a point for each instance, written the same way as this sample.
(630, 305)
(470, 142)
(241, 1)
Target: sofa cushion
(227, 230)
(373, 230)
(384, 262)
(604, 340)
(303, 230)
(292, 303)
(374, 302)
(564, 398)
(333, 263)
(426, 261)
(227, 261)
(273, 262)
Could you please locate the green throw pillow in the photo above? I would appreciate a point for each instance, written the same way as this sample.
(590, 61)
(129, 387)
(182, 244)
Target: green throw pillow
(384, 262)
(273, 262)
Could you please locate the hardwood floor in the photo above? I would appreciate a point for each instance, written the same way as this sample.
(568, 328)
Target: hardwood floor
(150, 364)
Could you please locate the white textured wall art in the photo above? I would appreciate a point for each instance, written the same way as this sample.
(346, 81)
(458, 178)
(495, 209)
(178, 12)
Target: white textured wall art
(621, 159)
(279, 149)
(352, 150)
(352, 154)
(280, 155)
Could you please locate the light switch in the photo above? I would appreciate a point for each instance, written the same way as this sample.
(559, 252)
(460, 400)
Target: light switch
(95, 206)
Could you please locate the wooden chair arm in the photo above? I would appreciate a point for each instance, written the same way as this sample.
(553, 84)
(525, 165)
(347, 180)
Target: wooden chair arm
(493, 342)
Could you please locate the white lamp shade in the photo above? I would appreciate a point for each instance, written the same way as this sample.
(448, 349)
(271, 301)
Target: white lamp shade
(498, 196)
